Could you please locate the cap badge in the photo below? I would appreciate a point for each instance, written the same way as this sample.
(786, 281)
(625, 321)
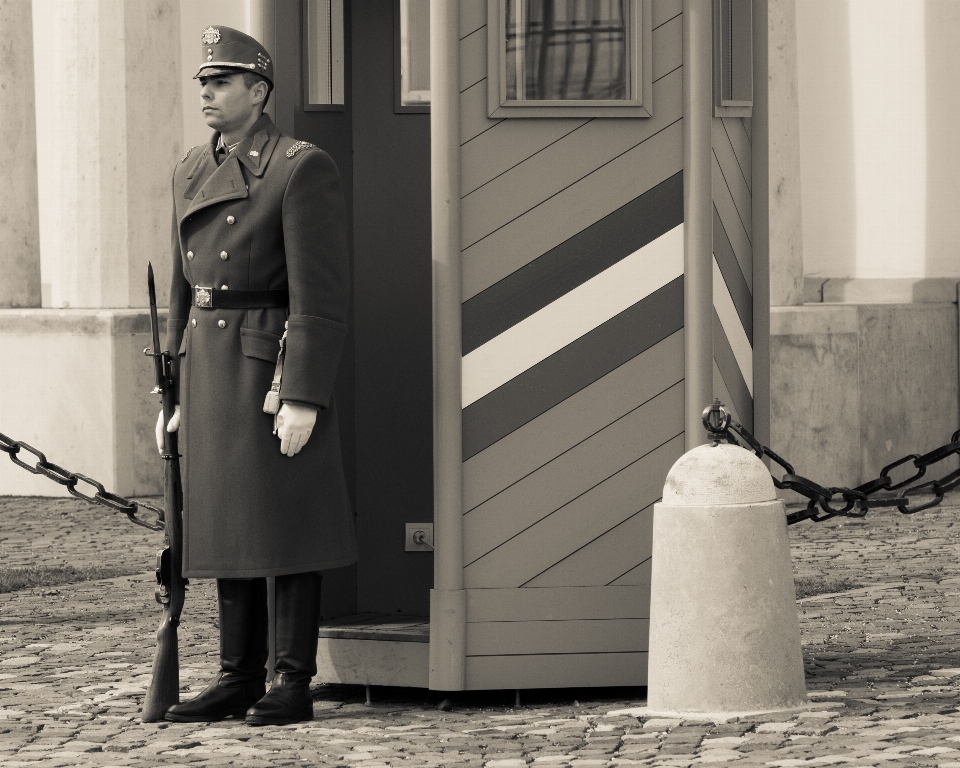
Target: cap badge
(211, 35)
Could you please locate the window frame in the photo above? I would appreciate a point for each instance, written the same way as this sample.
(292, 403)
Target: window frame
(727, 107)
(398, 106)
(306, 104)
(641, 73)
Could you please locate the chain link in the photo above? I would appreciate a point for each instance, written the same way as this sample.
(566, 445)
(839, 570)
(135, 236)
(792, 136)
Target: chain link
(69, 480)
(836, 501)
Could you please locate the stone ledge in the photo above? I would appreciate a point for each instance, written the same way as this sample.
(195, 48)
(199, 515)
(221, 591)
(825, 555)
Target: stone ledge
(79, 322)
(864, 290)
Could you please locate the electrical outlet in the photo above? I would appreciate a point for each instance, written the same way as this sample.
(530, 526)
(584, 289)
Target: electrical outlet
(419, 537)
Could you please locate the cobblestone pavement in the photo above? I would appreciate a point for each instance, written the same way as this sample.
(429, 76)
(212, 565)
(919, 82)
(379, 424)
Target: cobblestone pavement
(882, 663)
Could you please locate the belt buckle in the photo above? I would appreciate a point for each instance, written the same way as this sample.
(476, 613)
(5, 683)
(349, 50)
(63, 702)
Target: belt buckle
(203, 297)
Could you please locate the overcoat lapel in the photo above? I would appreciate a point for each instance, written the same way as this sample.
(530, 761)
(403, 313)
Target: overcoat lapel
(216, 184)
(210, 183)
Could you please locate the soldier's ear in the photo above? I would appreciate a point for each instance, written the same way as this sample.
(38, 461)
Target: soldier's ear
(260, 92)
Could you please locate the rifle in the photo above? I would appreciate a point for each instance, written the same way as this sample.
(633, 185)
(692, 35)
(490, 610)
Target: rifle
(164, 689)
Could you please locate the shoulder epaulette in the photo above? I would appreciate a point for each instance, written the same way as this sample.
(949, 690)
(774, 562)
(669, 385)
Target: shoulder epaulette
(187, 153)
(298, 145)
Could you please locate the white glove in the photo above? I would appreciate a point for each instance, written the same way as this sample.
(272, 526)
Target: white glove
(173, 426)
(293, 424)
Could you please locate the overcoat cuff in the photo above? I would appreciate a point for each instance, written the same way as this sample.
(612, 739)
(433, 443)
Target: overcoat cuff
(175, 329)
(314, 345)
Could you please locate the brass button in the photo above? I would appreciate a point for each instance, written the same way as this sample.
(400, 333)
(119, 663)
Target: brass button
(222, 323)
(193, 323)
(223, 287)
(209, 58)
(230, 219)
(189, 254)
(224, 255)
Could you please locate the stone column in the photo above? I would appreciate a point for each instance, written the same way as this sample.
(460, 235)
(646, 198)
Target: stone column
(19, 227)
(786, 234)
(110, 126)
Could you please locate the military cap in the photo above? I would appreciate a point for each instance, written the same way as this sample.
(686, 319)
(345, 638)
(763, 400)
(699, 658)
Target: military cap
(227, 50)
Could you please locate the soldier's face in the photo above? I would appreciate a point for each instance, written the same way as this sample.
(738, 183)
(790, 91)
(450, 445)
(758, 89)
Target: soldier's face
(226, 101)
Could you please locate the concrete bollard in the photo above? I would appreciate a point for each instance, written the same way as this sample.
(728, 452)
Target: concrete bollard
(724, 629)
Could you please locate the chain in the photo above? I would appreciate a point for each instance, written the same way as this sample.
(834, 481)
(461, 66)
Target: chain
(826, 502)
(70, 480)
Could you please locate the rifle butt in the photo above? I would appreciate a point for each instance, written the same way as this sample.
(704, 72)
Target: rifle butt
(164, 690)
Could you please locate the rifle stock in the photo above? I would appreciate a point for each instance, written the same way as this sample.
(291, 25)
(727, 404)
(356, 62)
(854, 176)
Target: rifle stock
(164, 690)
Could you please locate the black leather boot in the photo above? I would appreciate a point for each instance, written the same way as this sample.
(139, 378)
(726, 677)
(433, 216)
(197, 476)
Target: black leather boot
(296, 627)
(243, 655)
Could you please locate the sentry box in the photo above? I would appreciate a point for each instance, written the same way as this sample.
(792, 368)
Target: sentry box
(556, 261)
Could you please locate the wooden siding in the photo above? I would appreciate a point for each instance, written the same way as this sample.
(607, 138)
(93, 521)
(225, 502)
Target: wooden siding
(553, 535)
(573, 420)
(561, 670)
(571, 474)
(565, 458)
(733, 271)
(510, 638)
(572, 210)
(558, 603)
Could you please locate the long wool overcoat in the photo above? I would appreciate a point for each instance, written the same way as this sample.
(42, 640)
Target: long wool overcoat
(270, 216)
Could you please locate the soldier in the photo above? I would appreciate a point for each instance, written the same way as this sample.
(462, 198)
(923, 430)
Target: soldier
(260, 267)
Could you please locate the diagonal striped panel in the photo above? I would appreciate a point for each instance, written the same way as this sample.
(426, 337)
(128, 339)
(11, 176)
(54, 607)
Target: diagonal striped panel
(473, 58)
(473, 15)
(473, 112)
(732, 328)
(720, 390)
(733, 267)
(588, 516)
(606, 558)
(741, 147)
(574, 420)
(514, 141)
(572, 474)
(573, 315)
(638, 576)
(563, 163)
(666, 10)
(732, 175)
(572, 263)
(496, 151)
(732, 224)
(730, 372)
(575, 208)
(732, 276)
(572, 368)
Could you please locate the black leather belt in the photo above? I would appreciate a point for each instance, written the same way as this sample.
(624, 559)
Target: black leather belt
(218, 298)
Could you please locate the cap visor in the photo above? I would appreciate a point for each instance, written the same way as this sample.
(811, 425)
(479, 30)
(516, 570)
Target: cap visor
(213, 70)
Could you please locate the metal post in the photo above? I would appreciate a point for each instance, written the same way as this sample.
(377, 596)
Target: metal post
(447, 598)
(761, 225)
(697, 215)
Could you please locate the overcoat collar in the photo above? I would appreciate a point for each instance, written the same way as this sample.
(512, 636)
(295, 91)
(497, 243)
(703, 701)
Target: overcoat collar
(212, 184)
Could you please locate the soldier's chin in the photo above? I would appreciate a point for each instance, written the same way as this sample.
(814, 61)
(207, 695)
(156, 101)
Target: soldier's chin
(213, 119)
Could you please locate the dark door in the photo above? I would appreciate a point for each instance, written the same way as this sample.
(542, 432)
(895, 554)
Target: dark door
(384, 389)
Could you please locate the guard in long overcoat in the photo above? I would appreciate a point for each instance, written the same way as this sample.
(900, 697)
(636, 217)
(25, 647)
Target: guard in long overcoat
(259, 256)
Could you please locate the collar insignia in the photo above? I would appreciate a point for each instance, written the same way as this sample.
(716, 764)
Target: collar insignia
(211, 35)
(253, 153)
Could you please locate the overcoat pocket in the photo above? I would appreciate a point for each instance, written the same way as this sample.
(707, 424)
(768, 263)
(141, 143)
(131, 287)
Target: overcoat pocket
(259, 344)
(183, 345)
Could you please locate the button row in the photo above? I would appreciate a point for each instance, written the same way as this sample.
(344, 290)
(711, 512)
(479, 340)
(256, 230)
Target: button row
(220, 323)
(223, 255)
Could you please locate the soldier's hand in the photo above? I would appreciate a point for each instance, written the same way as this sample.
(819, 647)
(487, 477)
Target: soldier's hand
(294, 423)
(173, 426)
